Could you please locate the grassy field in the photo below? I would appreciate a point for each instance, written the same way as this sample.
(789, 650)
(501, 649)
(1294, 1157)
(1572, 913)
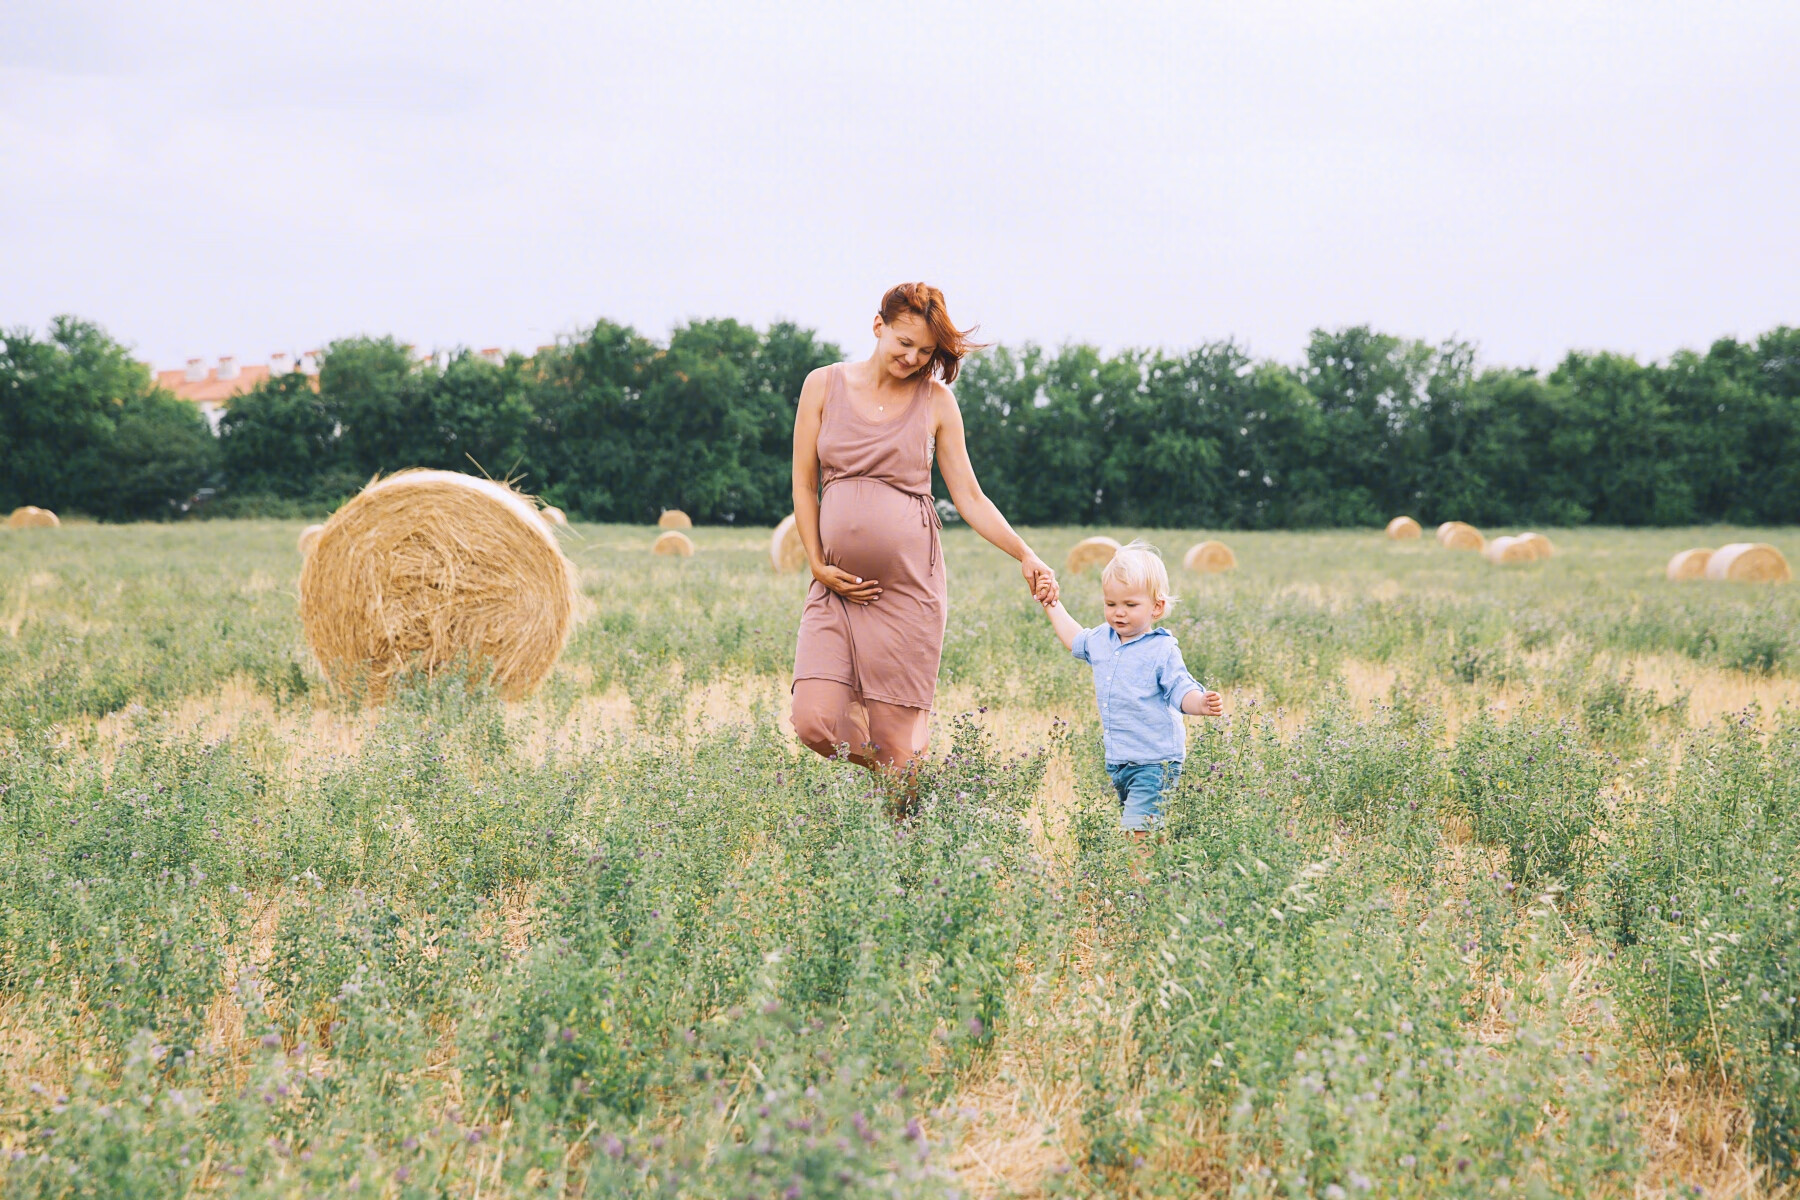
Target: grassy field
(1484, 887)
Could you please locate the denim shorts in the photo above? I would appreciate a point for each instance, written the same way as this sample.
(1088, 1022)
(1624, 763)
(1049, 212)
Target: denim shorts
(1142, 787)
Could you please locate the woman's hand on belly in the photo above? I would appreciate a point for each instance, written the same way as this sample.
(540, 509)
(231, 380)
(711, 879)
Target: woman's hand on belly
(853, 588)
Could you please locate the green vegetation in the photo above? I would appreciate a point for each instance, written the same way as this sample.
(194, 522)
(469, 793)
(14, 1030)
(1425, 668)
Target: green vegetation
(1488, 873)
(612, 425)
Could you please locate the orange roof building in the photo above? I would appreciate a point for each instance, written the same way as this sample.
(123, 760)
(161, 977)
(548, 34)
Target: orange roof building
(212, 388)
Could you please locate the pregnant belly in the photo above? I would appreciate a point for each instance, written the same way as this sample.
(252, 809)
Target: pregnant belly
(871, 530)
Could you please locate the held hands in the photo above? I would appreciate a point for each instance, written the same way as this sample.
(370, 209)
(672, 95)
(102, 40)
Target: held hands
(853, 588)
(1039, 578)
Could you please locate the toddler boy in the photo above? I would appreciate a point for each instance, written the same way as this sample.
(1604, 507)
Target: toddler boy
(1140, 682)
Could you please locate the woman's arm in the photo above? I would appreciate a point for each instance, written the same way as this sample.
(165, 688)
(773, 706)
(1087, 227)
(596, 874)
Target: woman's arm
(981, 514)
(806, 495)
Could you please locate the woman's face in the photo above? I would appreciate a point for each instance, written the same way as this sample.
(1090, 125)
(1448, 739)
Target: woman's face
(905, 346)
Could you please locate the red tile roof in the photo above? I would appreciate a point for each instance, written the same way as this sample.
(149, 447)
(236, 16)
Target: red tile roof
(212, 388)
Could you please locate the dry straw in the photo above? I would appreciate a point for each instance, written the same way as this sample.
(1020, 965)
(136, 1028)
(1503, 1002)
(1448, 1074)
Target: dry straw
(1541, 546)
(674, 542)
(1401, 528)
(674, 518)
(1689, 564)
(1503, 551)
(1210, 556)
(786, 551)
(1455, 535)
(1748, 562)
(435, 571)
(32, 517)
(309, 537)
(555, 516)
(1090, 552)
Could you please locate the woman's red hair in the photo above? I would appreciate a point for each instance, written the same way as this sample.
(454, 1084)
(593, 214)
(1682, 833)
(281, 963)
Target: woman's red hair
(927, 303)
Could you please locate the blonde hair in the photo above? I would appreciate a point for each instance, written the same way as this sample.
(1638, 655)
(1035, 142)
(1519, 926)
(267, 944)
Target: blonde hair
(1138, 565)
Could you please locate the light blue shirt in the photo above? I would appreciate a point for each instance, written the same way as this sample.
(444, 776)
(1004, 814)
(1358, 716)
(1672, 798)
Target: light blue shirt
(1139, 686)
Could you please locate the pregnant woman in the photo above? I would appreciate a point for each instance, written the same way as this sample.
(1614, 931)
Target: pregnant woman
(865, 669)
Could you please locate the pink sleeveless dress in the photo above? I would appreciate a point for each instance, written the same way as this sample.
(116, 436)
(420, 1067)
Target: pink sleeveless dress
(877, 520)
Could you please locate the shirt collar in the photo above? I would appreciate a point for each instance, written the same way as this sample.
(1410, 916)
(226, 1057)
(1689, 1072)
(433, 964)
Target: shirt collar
(1121, 643)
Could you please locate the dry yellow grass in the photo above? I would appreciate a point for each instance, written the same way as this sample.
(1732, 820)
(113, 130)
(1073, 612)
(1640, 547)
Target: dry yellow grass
(673, 542)
(1503, 551)
(1090, 552)
(434, 570)
(1206, 557)
(1401, 528)
(674, 518)
(309, 537)
(555, 516)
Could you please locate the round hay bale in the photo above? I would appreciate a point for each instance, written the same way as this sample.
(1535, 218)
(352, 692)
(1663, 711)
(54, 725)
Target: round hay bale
(1090, 552)
(1541, 546)
(1454, 535)
(1207, 557)
(674, 518)
(1689, 564)
(786, 550)
(555, 516)
(434, 571)
(1504, 551)
(675, 542)
(1401, 528)
(1748, 562)
(32, 517)
(309, 537)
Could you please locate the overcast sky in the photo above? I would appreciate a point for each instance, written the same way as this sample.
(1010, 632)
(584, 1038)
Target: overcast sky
(205, 179)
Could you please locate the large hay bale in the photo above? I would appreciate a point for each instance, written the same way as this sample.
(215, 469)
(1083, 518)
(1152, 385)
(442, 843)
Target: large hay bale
(1504, 551)
(32, 517)
(1689, 564)
(1207, 557)
(1090, 552)
(555, 516)
(1541, 546)
(1455, 535)
(675, 542)
(433, 570)
(309, 537)
(674, 518)
(1401, 528)
(786, 549)
(1748, 562)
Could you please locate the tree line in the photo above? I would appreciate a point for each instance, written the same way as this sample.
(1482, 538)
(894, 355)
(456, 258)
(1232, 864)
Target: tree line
(612, 425)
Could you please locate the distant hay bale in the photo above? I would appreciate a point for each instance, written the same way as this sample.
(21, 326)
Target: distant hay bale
(674, 542)
(1504, 551)
(1748, 562)
(1401, 528)
(1689, 564)
(1455, 535)
(32, 517)
(1090, 552)
(786, 550)
(555, 516)
(435, 571)
(674, 518)
(309, 537)
(1207, 557)
(1541, 546)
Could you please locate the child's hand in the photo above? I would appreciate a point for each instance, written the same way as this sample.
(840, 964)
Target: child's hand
(1212, 705)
